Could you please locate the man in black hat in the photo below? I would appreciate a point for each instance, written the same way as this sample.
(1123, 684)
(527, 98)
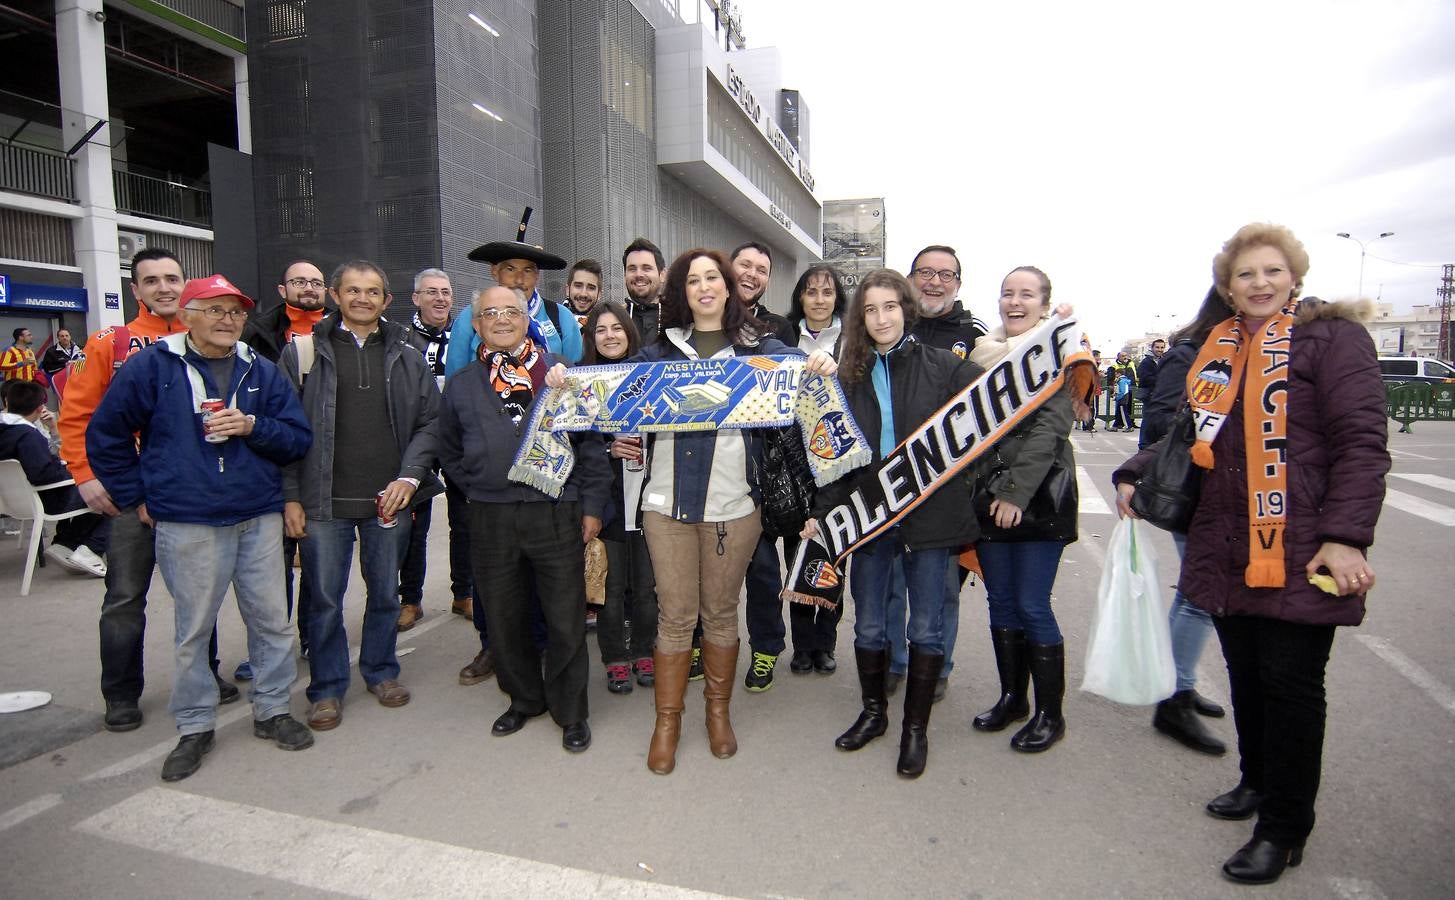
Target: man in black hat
(518, 265)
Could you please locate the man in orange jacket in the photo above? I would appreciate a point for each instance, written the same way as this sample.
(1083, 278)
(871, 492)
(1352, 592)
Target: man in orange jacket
(156, 283)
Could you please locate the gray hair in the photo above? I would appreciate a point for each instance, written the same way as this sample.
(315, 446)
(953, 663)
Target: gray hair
(520, 298)
(429, 273)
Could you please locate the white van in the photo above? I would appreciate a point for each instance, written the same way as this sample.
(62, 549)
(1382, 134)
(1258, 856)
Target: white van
(1396, 369)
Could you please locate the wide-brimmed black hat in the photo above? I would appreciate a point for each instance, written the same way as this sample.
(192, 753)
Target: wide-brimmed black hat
(499, 251)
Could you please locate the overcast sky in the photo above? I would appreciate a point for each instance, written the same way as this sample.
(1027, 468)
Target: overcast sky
(1116, 145)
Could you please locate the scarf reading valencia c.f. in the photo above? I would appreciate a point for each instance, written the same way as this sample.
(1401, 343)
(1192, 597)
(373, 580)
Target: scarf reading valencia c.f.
(1255, 361)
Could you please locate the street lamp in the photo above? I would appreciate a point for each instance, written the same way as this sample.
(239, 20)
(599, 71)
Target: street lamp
(1362, 245)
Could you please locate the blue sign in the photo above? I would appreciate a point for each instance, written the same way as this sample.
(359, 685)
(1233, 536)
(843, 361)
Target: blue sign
(41, 297)
(113, 301)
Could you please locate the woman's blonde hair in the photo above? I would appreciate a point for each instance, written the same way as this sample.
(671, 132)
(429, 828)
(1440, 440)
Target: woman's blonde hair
(1260, 234)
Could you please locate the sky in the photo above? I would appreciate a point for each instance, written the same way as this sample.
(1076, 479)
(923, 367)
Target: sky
(1116, 145)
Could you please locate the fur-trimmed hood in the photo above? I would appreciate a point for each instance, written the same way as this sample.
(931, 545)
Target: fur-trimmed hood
(1360, 311)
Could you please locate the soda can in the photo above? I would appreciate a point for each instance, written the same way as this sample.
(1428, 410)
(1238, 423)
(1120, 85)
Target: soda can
(384, 521)
(640, 463)
(210, 406)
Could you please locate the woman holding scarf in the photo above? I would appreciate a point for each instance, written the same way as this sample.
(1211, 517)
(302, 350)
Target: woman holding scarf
(1292, 439)
(894, 384)
(1027, 513)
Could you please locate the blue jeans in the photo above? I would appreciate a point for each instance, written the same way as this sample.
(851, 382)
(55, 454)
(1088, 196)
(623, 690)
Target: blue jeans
(1191, 628)
(1019, 576)
(872, 584)
(898, 607)
(328, 552)
(198, 562)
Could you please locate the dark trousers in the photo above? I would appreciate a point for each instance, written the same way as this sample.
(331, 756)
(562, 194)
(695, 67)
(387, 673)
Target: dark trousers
(130, 558)
(411, 573)
(764, 606)
(1276, 673)
(290, 550)
(1124, 413)
(508, 541)
(631, 596)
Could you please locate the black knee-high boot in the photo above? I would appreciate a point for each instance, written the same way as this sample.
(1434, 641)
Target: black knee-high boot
(919, 696)
(1013, 663)
(874, 720)
(1048, 671)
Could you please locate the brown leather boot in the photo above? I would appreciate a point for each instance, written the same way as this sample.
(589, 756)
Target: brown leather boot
(720, 665)
(671, 688)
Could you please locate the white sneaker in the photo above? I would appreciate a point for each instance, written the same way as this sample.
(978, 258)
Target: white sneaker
(84, 560)
(58, 554)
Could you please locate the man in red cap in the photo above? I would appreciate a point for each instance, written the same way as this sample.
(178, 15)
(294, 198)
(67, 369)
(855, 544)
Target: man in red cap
(216, 422)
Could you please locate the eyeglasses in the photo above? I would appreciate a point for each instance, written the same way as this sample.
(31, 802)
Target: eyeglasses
(216, 313)
(499, 312)
(436, 293)
(314, 283)
(927, 274)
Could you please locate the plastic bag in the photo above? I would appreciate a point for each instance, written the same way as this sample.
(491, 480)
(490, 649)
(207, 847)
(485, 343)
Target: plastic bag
(1129, 656)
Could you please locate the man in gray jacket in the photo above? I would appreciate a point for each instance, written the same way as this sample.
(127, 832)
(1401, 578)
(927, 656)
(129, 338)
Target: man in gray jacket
(371, 400)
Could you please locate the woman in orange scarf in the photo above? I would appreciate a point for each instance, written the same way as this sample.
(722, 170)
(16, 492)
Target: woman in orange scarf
(1291, 437)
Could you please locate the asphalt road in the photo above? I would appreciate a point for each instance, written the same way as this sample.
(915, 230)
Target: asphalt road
(421, 801)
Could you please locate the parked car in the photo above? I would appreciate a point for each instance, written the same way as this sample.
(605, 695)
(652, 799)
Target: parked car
(1398, 369)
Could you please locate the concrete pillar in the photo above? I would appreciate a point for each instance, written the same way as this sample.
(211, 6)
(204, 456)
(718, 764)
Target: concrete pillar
(81, 57)
(243, 93)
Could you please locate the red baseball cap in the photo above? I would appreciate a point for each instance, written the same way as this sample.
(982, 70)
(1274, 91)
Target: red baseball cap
(210, 287)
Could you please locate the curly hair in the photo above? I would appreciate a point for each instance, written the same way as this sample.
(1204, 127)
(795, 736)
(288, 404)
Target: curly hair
(856, 349)
(1260, 234)
(739, 325)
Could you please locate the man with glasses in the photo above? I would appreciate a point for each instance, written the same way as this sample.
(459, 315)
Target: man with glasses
(305, 301)
(209, 481)
(526, 545)
(517, 265)
(371, 400)
(429, 333)
(157, 280)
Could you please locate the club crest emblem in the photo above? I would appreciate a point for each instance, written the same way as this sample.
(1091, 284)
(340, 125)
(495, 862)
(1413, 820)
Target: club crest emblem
(821, 574)
(960, 349)
(1211, 382)
(831, 437)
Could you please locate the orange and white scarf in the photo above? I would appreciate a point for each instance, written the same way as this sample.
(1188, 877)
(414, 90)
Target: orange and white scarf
(1230, 360)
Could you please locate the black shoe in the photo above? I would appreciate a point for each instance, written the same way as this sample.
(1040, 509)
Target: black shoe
(874, 720)
(186, 758)
(760, 673)
(285, 731)
(511, 721)
(1012, 661)
(227, 692)
(802, 663)
(1238, 804)
(1175, 717)
(122, 715)
(576, 737)
(1205, 707)
(1260, 862)
(1047, 726)
(919, 692)
(824, 662)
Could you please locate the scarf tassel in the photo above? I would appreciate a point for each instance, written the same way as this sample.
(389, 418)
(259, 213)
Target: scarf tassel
(1202, 454)
(1264, 573)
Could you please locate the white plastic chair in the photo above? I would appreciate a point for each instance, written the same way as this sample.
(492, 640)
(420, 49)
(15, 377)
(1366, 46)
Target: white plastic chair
(19, 499)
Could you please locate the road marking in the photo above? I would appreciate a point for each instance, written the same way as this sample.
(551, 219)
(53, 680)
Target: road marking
(243, 710)
(1089, 497)
(1440, 515)
(1411, 670)
(353, 861)
(27, 810)
(1434, 481)
(1356, 889)
(1409, 455)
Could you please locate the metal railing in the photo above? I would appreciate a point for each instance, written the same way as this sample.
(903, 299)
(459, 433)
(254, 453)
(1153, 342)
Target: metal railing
(227, 18)
(158, 198)
(27, 170)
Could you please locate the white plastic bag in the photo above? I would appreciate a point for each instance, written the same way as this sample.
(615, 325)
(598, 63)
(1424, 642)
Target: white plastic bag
(1129, 656)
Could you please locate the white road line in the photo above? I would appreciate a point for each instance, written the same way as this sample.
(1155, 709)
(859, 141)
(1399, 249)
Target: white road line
(1356, 889)
(1413, 671)
(1089, 497)
(357, 862)
(1440, 515)
(242, 711)
(1405, 454)
(1434, 481)
(27, 810)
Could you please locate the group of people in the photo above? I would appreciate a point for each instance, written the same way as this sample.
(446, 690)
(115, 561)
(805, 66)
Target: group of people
(229, 440)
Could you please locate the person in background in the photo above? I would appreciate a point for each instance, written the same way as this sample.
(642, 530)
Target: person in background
(583, 290)
(1124, 376)
(631, 587)
(1019, 558)
(1178, 715)
(893, 384)
(60, 354)
(1147, 371)
(17, 363)
(1293, 442)
(643, 267)
(517, 265)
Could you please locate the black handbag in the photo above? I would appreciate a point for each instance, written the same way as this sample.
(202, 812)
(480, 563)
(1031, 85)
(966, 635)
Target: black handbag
(786, 482)
(1169, 486)
(1050, 516)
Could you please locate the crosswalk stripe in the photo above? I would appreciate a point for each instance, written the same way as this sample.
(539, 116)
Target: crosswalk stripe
(1089, 496)
(1419, 506)
(1434, 481)
(353, 861)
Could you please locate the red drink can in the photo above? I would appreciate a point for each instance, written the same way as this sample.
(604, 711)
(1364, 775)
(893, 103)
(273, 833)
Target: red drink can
(384, 521)
(210, 406)
(639, 464)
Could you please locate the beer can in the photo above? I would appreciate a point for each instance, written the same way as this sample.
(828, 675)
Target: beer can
(384, 521)
(210, 406)
(640, 463)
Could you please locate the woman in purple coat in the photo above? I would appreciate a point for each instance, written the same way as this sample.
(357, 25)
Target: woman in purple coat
(1292, 442)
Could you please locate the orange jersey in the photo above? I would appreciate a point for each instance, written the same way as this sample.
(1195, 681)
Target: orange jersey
(91, 376)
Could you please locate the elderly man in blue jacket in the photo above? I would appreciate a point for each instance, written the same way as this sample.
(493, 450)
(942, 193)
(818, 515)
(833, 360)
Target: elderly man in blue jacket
(209, 480)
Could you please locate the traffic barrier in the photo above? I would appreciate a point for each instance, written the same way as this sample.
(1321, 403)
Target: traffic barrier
(1418, 401)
